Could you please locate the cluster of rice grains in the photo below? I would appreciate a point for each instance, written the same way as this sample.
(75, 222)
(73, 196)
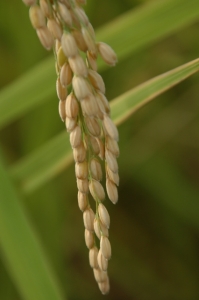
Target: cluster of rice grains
(64, 26)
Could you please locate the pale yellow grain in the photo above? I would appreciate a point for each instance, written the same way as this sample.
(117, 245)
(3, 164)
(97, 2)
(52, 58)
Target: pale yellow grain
(110, 128)
(66, 2)
(76, 137)
(70, 123)
(69, 45)
(95, 169)
(88, 218)
(81, 87)
(112, 145)
(37, 17)
(57, 46)
(79, 40)
(61, 109)
(100, 229)
(78, 66)
(102, 261)
(112, 191)
(82, 185)
(96, 190)
(104, 215)
(114, 177)
(96, 80)
(104, 287)
(107, 54)
(45, 7)
(91, 30)
(81, 15)
(81, 170)
(100, 276)
(66, 75)
(65, 14)
(89, 40)
(91, 60)
(45, 37)
(111, 161)
(89, 105)
(89, 239)
(93, 126)
(55, 29)
(94, 145)
(61, 91)
(102, 148)
(79, 153)
(105, 247)
(61, 57)
(102, 103)
(71, 107)
(93, 252)
(82, 201)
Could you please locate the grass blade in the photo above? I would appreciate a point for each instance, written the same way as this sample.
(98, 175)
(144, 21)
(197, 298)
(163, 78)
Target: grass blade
(148, 23)
(46, 162)
(125, 105)
(21, 251)
(131, 32)
(27, 92)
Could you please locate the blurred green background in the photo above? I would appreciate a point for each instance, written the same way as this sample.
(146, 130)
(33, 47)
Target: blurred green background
(155, 225)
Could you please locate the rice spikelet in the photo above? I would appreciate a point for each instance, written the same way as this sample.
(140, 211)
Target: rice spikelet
(65, 26)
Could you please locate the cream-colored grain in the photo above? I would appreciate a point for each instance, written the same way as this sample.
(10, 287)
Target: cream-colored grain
(86, 113)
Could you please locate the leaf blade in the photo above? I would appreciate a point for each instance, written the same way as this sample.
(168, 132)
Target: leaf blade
(22, 252)
(146, 24)
(149, 90)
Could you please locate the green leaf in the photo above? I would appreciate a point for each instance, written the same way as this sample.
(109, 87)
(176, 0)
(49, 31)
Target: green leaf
(129, 33)
(148, 23)
(125, 105)
(31, 90)
(23, 255)
(43, 164)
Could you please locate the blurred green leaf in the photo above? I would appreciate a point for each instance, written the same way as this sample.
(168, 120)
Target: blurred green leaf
(125, 105)
(27, 92)
(50, 159)
(132, 31)
(45, 163)
(143, 26)
(21, 251)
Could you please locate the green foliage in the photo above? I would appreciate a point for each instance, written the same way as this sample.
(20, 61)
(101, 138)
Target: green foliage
(154, 225)
(24, 258)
